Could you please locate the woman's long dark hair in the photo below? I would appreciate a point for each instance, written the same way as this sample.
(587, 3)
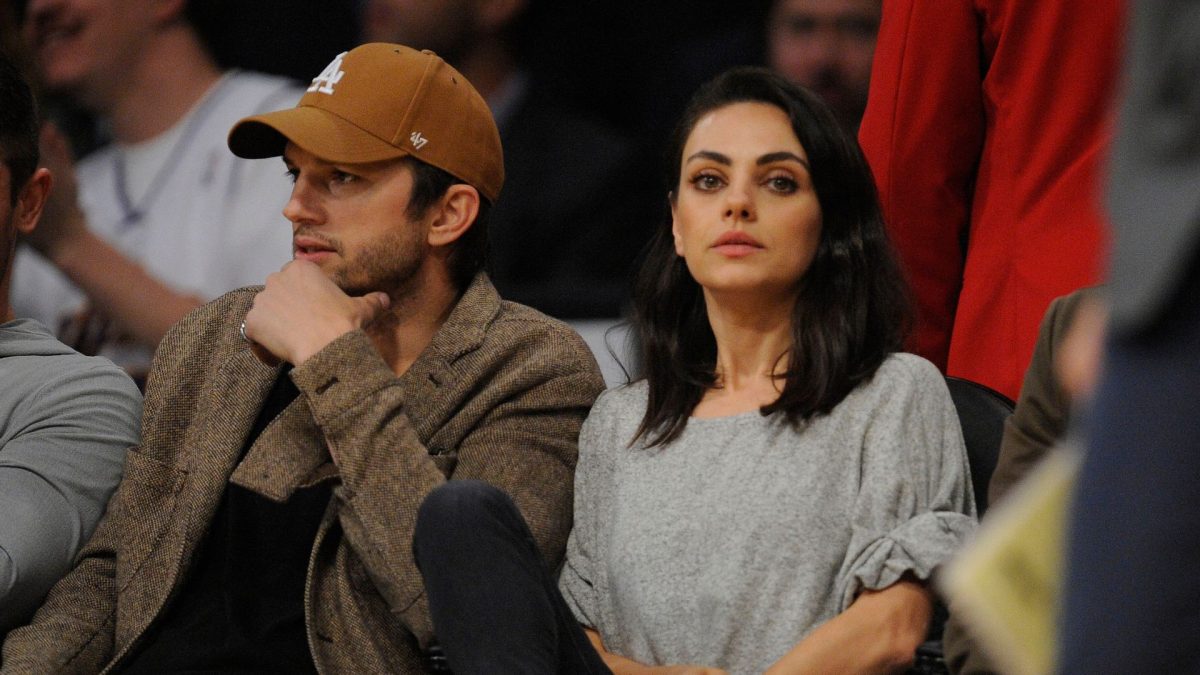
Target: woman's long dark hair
(852, 309)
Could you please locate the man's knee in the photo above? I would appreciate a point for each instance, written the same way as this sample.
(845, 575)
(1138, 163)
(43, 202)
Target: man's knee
(462, 506)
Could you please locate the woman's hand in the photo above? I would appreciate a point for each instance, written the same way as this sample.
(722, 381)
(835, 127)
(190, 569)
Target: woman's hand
(878, 633)
(623, 666)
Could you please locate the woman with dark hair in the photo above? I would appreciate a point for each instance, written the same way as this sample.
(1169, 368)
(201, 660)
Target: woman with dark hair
(774, 494)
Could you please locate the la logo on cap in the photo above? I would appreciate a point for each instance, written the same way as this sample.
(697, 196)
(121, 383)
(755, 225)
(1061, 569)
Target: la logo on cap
(332, 74)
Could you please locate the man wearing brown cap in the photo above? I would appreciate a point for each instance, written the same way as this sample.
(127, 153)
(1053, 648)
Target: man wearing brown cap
(265, 521)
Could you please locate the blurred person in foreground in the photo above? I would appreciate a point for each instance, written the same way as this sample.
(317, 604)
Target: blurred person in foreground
(164, 218)
(265, 521)
(65, 419)
(1131, 588)
(775, 493)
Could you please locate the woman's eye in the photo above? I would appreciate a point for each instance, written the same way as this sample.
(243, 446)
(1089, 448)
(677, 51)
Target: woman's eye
(782, 184)
(706, 182)
(292, 175)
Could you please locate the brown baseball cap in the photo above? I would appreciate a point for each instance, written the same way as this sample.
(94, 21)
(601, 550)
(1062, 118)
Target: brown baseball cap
(382, 101)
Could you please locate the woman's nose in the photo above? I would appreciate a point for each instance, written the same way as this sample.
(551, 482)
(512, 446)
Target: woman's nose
(740, 204)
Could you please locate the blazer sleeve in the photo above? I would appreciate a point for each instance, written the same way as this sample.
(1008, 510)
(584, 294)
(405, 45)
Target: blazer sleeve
(922, 134)
(525, 445)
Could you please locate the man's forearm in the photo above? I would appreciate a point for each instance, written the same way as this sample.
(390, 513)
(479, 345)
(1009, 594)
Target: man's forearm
(142, 306)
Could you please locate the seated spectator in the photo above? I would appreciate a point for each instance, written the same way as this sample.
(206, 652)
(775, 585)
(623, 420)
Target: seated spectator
(65, 419)
(776, 492)
(826, 46)
(164, 218)
(265, 522)
(577, 209)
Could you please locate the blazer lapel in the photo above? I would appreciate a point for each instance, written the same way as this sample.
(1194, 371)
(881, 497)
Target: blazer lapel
(290, 452)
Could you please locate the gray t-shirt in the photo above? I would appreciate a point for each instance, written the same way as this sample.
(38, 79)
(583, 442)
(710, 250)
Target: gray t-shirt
(727, 546)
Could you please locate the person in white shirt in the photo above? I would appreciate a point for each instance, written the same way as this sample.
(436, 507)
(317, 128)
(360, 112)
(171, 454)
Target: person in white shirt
(165, 218)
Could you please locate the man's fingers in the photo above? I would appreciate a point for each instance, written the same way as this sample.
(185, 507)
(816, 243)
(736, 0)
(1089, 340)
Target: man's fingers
(373, 304)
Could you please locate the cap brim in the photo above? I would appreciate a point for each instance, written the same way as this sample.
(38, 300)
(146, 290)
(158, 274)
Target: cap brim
(315, 130)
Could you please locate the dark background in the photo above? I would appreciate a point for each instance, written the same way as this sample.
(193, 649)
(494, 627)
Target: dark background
(633, 63)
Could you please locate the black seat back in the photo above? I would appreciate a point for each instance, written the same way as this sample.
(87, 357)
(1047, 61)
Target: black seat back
(981, 413)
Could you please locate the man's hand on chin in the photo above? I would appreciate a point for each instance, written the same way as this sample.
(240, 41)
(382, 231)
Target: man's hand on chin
(300, 311)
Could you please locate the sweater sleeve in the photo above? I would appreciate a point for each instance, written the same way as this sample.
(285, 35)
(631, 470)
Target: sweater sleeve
(580, 580)
(915, 507)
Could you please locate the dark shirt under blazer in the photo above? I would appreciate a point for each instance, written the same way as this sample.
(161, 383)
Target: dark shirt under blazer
(499, 395)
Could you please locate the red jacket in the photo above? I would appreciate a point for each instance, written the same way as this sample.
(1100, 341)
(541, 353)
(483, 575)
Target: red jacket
(988, 123)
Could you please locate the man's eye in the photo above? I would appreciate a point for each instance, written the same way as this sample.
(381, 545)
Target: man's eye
(342, 178)
(292, 175)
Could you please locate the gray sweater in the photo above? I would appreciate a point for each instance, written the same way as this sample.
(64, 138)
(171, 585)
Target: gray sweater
(727, 546)
(65, 423)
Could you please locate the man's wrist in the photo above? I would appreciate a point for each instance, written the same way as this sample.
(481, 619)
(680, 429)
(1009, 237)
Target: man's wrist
(318, 341)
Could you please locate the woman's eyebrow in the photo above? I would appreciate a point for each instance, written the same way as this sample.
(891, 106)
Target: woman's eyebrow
(714, 156)
(781, 156)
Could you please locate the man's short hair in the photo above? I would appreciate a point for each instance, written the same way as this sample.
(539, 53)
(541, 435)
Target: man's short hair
(18, 126)
(470, 252)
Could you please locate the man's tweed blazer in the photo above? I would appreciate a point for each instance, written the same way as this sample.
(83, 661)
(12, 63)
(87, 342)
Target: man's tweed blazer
(499, 395)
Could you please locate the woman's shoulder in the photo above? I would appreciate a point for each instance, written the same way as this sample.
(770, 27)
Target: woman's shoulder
(622, 401)
(905, 367)
(616, 413)
(901, 377)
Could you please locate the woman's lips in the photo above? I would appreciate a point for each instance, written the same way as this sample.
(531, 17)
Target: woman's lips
(736, 244)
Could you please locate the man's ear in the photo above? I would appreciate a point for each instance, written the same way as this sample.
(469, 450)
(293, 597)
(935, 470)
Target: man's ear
(31, 199)
(455, 213)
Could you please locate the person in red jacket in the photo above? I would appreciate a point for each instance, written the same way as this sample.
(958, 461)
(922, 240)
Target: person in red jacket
(987, 126)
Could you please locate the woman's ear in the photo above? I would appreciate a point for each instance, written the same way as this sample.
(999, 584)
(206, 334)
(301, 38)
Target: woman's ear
(675, 226)
(454, 215)
(31, 199)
